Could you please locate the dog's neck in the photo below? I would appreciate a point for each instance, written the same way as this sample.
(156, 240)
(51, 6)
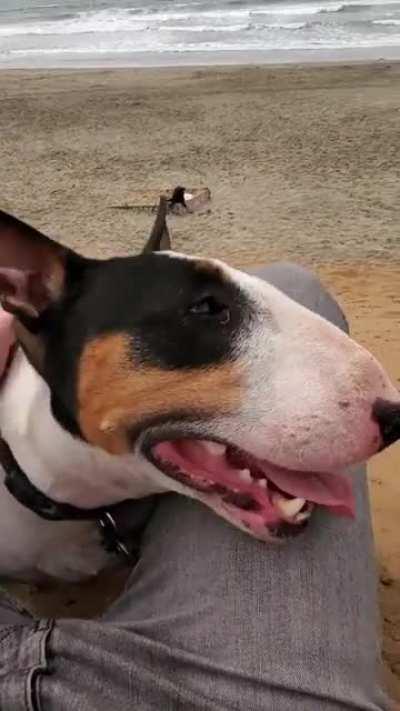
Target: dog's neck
(60, 465)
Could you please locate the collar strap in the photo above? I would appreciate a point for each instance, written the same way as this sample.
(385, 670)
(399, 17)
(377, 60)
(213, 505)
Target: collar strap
(120, 524)
(28, 495)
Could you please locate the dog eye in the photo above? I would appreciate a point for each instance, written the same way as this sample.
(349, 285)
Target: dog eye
(210, 307)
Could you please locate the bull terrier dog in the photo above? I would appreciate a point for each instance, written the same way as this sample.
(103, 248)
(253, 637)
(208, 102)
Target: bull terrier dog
(164, 372)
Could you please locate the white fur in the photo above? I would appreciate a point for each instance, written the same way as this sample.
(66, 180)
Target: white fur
(32, 549)
(299, 370)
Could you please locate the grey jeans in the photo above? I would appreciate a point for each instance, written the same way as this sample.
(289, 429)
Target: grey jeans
(213, 620)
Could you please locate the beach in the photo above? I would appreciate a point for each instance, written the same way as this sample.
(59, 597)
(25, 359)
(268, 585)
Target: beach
(302, 162)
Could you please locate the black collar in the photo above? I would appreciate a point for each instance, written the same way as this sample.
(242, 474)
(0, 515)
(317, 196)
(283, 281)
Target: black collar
(119, 524)
(20, 486)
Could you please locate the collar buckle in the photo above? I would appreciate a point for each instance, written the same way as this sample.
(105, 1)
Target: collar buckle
(112, 541)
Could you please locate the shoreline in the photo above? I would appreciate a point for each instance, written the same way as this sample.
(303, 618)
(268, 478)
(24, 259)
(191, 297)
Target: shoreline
(159, 60)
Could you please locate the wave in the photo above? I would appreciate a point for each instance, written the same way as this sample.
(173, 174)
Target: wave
(346, 8)
(204, 28)
(83, 22)
(294, 42)
(237, 15)
(322, 8)
(110, 21)
(278, 26)
(358, 7)
(392, 22)
(236, 28)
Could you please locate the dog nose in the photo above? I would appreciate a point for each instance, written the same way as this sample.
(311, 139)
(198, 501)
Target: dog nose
(387, 415)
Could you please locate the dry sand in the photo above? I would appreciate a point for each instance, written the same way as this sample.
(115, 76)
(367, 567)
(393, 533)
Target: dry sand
(303, 164)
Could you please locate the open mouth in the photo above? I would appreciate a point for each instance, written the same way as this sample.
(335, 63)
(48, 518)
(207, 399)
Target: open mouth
(251, 492)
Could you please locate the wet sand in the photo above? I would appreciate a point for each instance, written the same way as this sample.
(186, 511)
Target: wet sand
(303, 164)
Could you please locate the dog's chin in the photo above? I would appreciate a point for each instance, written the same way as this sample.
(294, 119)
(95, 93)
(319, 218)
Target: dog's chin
(266, 500)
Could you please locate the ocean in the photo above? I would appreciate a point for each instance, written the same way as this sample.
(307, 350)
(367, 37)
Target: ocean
(48, 33)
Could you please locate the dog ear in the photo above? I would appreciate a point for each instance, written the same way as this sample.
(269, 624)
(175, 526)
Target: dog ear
(159, 237)
(32, 269)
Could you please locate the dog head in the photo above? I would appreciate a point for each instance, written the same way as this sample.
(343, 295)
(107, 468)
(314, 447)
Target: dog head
(208, 381)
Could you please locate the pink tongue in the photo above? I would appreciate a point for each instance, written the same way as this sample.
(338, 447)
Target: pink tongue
(331, 490)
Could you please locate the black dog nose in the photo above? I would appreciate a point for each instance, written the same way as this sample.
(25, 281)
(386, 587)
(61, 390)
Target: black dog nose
(387, 415)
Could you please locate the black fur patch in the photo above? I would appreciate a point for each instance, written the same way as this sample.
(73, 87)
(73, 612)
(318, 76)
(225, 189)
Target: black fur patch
(179, 314)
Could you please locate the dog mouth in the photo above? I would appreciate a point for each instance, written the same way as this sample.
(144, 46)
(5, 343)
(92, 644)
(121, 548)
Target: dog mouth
(267, 500)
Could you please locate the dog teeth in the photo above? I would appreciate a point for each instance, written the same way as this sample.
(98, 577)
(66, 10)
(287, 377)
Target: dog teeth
(244, 475)
(215, 448)
(302, 517)
(288, 507)
(262, 483)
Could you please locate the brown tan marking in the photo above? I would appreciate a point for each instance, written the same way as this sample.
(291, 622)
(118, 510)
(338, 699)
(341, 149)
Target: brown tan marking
(114, 393)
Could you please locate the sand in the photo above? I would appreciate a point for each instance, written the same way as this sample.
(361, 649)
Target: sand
(303, 164)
